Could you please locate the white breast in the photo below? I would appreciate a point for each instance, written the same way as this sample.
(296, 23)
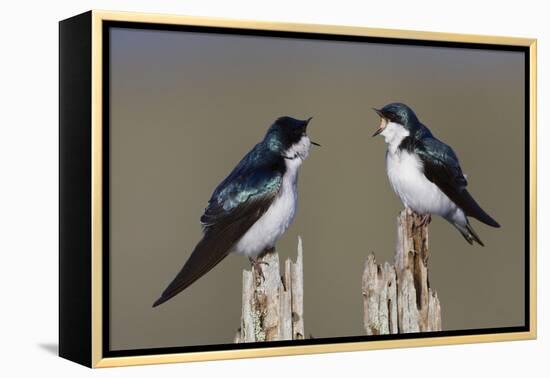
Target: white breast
(273, 224)
(407, 179)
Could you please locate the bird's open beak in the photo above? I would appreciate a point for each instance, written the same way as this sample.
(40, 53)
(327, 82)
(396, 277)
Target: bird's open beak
(312, 142)
(383, 122)
(380, 129)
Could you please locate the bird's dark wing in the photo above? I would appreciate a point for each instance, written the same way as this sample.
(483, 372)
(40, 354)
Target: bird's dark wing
(257, 175)
(441, 167)
(237, 203)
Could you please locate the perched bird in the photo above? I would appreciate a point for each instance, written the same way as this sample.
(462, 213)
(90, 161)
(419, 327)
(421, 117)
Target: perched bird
(425, 173)
(253, 206)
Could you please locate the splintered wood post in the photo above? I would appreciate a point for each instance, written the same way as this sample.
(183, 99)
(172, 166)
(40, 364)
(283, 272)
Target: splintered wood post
(398, 298)
(273, 306)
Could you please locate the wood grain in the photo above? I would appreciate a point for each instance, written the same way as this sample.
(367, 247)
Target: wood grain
(398, 298)
(272, 305)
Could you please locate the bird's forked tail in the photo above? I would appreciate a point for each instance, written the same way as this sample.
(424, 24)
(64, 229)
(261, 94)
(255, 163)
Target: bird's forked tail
(468, 233)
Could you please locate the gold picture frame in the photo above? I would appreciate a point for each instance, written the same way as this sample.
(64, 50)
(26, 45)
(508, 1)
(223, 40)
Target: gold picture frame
(81, 337)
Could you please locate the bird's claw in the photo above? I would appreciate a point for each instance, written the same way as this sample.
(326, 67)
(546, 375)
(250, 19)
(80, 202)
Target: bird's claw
(257, 266)
(423, 220)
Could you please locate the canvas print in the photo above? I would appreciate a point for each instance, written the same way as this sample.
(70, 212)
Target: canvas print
(290, 189)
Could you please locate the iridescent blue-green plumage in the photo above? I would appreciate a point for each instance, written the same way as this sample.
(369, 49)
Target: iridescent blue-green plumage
(259, 173)
(238, 202)
(440, 164)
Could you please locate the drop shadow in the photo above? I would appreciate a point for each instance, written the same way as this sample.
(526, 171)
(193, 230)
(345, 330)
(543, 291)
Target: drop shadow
(51, 348)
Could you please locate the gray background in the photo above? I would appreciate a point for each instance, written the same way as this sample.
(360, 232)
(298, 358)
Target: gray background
(185, 107)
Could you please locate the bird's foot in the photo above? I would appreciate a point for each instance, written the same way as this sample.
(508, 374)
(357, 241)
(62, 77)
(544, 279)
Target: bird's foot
(423, 220)
(257, 266)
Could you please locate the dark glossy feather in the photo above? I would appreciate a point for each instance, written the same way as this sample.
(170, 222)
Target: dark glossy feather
(236, 204)
(259, 172)
(441, 167)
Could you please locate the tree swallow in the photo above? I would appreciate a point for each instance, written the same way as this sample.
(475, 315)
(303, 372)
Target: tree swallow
(253, 206)
(425, 173)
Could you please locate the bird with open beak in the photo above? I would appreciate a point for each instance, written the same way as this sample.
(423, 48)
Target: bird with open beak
(425, 173)
(252, 207)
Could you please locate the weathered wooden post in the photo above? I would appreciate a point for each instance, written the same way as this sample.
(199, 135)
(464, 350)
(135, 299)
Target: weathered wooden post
(273, 306)
(398, 298)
